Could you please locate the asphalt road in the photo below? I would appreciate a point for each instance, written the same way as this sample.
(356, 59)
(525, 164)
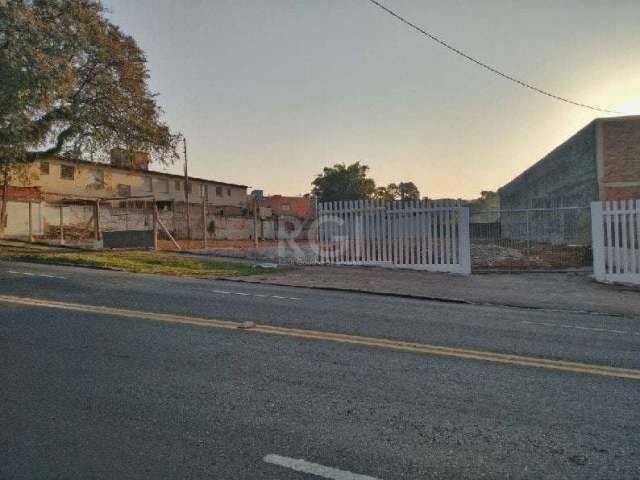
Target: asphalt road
(124, 394)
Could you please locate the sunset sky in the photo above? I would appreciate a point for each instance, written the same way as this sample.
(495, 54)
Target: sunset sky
(268, 92)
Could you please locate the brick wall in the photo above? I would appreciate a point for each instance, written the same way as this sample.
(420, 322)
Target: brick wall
(300, 207)
(623, 193)
(621, 148)
(24, 194)
(621, 153)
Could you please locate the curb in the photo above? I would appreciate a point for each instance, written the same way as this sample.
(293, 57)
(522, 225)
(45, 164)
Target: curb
(453, 300)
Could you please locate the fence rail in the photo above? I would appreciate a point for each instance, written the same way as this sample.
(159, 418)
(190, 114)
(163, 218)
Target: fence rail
(541, 239)
(415, 234)
(616, 240)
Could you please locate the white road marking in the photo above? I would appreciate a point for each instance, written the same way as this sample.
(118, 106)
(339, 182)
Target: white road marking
(578, 327)
(30, 274)
(316, 469)
(257, 295)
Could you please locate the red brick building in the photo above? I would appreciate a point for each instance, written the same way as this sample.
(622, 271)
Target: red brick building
(23, 194)
(299, 207)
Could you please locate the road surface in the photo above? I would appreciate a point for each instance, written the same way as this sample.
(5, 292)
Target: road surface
(115, 375)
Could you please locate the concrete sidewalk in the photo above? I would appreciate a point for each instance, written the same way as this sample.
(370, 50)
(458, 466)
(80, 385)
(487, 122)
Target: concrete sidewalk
(560, 291)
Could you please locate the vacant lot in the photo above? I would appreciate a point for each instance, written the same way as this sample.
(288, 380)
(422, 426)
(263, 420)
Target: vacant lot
(131, 261)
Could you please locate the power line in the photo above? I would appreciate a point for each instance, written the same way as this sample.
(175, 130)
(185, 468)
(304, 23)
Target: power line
(484, 65)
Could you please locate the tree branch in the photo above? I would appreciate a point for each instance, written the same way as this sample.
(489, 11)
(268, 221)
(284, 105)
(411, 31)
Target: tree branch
(56, 149)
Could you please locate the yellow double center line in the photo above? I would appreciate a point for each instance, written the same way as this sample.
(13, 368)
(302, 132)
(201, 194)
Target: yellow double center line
(389, 344)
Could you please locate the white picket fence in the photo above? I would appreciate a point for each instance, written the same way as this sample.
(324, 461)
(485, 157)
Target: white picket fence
(425, 235)
(616, 240)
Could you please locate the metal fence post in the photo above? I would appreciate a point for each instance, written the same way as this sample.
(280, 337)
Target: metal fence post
(528, 235)
(464, 241)
(597, 241)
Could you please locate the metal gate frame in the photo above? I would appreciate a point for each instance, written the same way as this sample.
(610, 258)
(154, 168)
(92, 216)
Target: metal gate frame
(418, 234)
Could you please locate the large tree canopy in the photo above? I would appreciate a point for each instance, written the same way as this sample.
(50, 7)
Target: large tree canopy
(342, 182)
(73, 83)
(408, 191)
(404, 191)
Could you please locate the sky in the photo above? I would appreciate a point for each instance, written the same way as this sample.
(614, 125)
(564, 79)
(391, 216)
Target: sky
(268, 92)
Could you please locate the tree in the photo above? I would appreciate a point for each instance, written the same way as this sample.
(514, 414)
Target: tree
(404, 191)
(74, 83)
(488, 201)
(388, 193)
(383, 193)
(342, 182)
(408, 191)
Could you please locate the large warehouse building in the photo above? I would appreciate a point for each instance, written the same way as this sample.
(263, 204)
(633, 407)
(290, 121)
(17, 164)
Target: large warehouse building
(600, 162)
(549, 202)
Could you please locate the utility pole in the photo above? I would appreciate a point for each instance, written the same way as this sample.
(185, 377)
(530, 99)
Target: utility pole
(255, 222)
(204, 218)
(187, 187)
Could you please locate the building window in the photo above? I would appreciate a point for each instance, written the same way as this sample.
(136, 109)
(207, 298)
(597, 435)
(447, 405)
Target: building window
(228, 192)
(178, 185)
(187, 187)
(147, 184)
(44, 168)
(218, 191)
(286, 207)
(124, 190)
(163, 185)
(67, 172)
(98, 179)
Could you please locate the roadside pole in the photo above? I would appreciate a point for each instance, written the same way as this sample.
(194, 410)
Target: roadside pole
(187, 187)
(96, 223)
(204, 219)
(317, 208)
(30, 222)
(255, 221)
(155, 225)
(61, 225)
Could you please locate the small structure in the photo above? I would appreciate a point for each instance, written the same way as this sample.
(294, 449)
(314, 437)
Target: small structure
(286, 215)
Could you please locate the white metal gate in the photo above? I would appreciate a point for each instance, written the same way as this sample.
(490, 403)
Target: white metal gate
(616, 240)
(421, 234)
